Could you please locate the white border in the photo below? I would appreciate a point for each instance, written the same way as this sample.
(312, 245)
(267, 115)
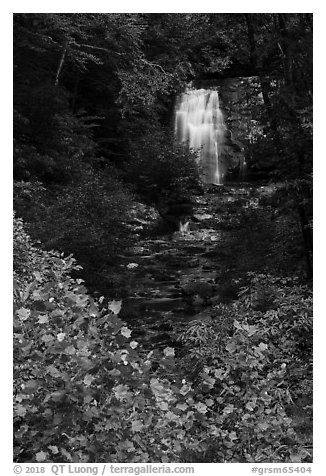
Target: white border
(319, 199)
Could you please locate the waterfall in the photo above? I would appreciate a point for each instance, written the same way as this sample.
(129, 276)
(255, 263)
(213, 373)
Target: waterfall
(199, 120)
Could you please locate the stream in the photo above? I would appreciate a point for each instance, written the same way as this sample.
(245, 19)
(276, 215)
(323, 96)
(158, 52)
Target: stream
(178, 278)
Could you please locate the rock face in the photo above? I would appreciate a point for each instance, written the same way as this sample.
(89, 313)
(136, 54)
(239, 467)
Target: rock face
(141, 216)
(175, 210)
(239, 98)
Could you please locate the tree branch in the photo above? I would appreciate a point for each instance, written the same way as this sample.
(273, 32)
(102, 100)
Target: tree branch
(62, 59)
(101, 49)
(154, 64)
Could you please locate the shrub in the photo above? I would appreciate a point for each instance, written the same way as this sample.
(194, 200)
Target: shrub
(158, 167)
(26, 257)
(87, 218)
(86, 392)
(50, 141)
(252, 377)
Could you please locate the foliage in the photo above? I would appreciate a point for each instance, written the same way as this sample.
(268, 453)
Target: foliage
(26, 257)
(159, 167)
(85, 391)
(256, 372)
(88, 217)
(50, 142)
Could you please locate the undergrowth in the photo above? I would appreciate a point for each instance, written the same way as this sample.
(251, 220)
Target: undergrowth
(85, 391)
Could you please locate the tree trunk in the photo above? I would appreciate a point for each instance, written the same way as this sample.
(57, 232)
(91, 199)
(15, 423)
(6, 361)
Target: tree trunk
(264, 82)
(62, 59)
(286, 54)
(280, 23)
(75, 93)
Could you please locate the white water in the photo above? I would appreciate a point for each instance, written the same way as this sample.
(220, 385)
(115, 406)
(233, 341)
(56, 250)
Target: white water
(200, 121)
(184, 227)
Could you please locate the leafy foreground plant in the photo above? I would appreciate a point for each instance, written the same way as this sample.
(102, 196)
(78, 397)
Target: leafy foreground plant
(254, 363)
(85, 393)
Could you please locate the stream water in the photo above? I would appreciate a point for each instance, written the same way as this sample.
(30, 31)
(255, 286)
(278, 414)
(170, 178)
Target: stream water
(178, 278)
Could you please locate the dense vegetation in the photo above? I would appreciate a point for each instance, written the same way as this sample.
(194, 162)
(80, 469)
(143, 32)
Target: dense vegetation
(94, 160)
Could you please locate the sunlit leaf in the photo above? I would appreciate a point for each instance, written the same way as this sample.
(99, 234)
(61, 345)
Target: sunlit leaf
(41, 456)
(125, 332)
(23, 314)
(44, 319)
(115, 306)
(88, 379)
(53, 449)
(137, 426)
(201, 407)
(168, 352)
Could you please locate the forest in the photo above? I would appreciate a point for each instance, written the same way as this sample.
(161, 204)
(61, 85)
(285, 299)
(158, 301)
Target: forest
(162, 283)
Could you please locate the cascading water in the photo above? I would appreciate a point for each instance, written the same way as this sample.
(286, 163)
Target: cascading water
(184, 227)
(199, 120)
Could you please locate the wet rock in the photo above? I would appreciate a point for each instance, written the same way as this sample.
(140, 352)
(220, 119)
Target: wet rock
(160, 338)
(201, 217)
(202, 316)
(195, 249)
(165, 327)
(202, 289)
(163, 304)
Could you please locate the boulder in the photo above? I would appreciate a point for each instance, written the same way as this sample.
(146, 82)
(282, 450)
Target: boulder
(202, 289)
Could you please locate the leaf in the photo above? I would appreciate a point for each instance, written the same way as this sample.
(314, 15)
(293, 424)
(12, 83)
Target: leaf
(61, 336)
(114, 372)
(70, 350)
(53, 449)
(43, 319)
(47, 338)
(182, 406)
(263, 426)
(168, 352)
(209, 381)
(115, 306)
(88, 379)
(53, 371)
(23, 313)
(229, 409)
(57, 396)
(37, 275)
(201, 407)
(231, 347)
(250, 406)
(93, 310)
(218, 373)
(20, 410)
(125, 332)
(233, 435)
(263, 346)
(185, 389)
(137, 425)
(121, 391)
(171, 416)
(41, 456)
(133, 344)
